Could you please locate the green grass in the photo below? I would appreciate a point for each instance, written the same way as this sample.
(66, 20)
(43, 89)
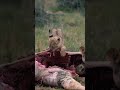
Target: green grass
(72, 25)
(73, 28)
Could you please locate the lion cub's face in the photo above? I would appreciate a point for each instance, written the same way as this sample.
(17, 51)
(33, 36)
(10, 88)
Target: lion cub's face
(55, 43)
(55, 39)
(55, 32)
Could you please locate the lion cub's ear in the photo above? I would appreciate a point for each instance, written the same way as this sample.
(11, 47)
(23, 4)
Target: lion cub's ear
(113, 55)
(55, 32)
(59, 33)
(49, 30)
(50, 33)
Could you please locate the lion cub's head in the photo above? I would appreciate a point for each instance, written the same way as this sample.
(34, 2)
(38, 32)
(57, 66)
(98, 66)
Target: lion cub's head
(56, 42)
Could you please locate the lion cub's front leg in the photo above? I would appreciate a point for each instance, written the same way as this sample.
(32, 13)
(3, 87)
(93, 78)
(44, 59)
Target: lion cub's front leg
(62, 52)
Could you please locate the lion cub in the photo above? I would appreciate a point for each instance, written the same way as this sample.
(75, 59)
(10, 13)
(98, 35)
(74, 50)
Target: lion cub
(56, 42)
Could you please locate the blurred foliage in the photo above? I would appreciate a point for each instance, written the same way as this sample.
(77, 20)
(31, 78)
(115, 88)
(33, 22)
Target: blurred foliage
(102, 28)
(16, 25)
(40, 14)
(70, 5)
(45, 10)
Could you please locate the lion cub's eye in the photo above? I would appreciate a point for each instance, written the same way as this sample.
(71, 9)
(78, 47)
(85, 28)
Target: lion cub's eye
(58, 39)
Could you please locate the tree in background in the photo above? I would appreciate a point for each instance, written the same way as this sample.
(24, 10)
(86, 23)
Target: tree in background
(40, 14)
(71, 5)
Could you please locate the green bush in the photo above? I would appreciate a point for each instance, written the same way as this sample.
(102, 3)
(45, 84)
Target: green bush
(40, 14)
(71, 4)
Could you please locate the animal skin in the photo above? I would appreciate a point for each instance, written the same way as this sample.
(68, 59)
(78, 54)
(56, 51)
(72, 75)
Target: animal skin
(113, 55)
(55, 76)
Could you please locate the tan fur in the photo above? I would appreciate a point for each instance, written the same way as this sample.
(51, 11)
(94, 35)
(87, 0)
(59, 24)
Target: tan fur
(56, 32)
(56, 42)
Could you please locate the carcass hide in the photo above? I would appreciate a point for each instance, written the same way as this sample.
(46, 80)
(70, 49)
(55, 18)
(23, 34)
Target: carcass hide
(55, 76)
